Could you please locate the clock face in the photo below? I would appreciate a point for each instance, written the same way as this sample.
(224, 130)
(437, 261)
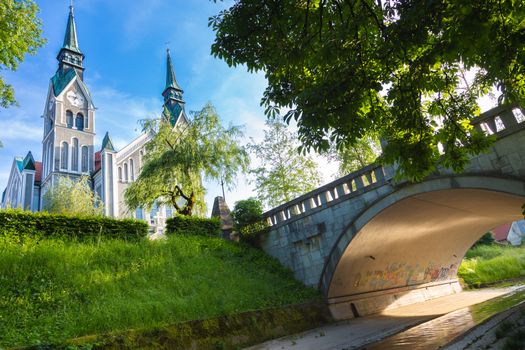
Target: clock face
(76, 100)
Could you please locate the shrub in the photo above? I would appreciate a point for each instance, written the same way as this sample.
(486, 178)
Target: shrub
(250, 233)
(73, 197)
(248, 219)
(486, 239)
(191, 225)
(246, 212)
(17, 226)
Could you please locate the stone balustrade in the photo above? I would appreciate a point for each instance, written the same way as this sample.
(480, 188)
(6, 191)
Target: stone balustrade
(348, 186)
(500, 121)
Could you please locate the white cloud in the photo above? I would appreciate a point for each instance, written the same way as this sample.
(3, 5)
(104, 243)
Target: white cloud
(18, 130)
(119, 113)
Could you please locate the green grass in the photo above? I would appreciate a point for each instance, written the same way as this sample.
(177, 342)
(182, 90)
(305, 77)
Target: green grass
(51, 291)
(491, 263)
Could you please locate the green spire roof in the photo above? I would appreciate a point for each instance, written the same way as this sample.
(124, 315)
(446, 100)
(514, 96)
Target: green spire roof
(29, 162)
(171, 82)
(70, 39)
(107, 144)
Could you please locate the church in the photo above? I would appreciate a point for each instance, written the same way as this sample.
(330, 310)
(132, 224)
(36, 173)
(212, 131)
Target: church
(68, 147)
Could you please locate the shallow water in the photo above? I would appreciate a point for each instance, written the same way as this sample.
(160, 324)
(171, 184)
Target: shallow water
(442, 330)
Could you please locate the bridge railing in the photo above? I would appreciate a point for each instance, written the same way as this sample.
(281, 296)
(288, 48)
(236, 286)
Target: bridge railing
(348, 186)
(501, 121)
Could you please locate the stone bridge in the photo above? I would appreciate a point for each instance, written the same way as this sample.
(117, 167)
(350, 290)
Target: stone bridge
(370, 243)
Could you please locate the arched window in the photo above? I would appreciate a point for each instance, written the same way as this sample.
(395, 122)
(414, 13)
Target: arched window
(132, 169)
(74, 155)
(120, 173)
(49, 157)
(64, 151)
(86, 121)
(69, 119)
(126, 172)
(85, 164)
(79, 121)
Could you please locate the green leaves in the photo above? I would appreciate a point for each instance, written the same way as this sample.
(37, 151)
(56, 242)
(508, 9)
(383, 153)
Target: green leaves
(73, 198)
(20, 32)
(354, 69)
(177, 159)
(19, 227)
(283, 173)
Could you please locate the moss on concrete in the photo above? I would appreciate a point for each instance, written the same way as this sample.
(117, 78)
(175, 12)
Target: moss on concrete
(221, 333)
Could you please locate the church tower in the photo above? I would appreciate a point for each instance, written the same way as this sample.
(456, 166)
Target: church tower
(173, 101)
(69, 116)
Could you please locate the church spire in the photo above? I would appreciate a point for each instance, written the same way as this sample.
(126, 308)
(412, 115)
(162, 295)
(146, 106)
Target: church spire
(70, 39)
(171, 82)
(173, 101)
(70, 55)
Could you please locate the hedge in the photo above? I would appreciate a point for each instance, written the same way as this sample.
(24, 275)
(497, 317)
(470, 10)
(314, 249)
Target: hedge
(191, 225)
(17, 225)
(251, 233)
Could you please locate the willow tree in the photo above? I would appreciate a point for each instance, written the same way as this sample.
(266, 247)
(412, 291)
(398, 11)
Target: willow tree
(347, 69)
(178, 159)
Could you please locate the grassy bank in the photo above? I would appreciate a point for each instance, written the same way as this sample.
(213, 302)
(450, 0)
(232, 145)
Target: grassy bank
(491, 263)
(53, 290)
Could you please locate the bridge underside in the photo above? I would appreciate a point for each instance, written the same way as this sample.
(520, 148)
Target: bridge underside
(411, 250)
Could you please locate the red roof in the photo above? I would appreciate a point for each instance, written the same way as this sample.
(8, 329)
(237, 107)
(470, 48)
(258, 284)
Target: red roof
(501, 232)
(38, 169)
(97, 161)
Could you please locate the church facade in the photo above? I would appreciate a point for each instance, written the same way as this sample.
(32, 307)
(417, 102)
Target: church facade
(68, 143)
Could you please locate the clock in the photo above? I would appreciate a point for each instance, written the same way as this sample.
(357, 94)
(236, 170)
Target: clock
(76, 100)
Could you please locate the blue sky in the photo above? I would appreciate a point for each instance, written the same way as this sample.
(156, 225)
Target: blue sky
(125, 47)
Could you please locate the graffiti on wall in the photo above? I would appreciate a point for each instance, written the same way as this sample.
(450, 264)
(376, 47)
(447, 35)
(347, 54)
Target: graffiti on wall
(403, 274)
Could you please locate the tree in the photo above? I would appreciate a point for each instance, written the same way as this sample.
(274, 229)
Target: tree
(362, 153)
(20, 32)
(349, 69)
(73, 198)
(284, 173)
(246, 212)
(177, 158)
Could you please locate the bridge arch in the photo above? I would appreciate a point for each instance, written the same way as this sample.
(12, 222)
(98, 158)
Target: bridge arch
(408, 244)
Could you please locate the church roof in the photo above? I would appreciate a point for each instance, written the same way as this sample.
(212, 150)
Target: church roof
(173, 112)
(19, 163)
(29, 162)
(61, 79)
(107, 144)
(70, 39)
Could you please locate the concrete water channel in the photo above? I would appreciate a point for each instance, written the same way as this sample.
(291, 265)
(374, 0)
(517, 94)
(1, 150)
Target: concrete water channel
(428, 325)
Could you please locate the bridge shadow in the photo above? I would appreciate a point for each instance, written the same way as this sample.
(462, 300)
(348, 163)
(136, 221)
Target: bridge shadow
(408, 250)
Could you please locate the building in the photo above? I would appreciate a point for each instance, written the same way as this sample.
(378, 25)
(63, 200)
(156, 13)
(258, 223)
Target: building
(68, 147)
(512, 233)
